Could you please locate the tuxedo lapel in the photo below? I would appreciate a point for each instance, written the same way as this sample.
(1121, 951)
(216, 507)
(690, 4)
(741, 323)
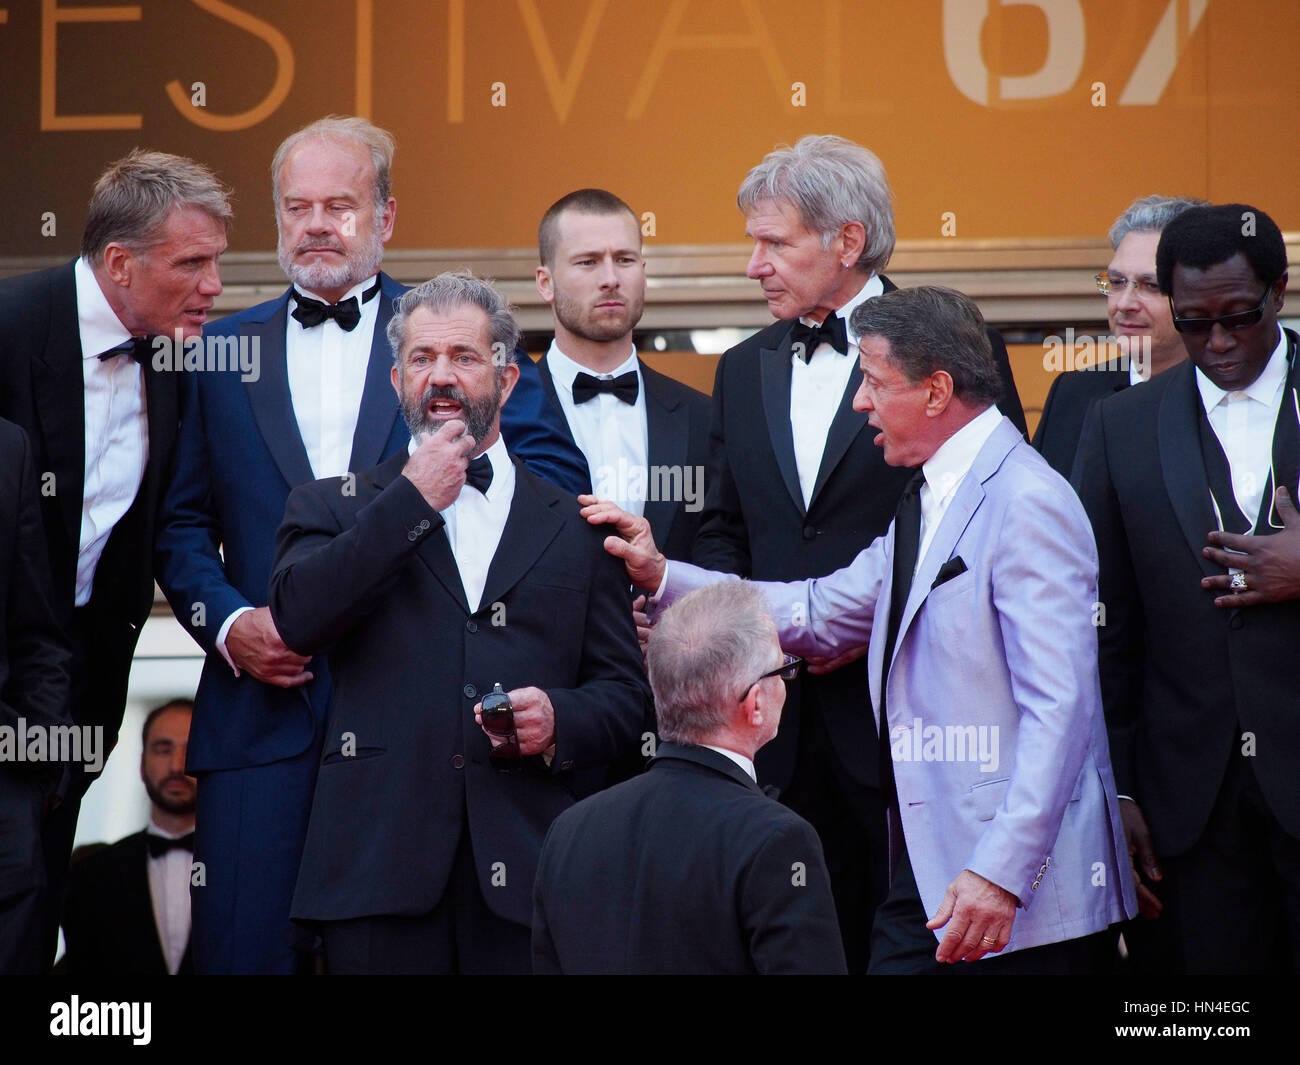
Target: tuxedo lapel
(529, 530)
(60, 396)
(163, 414)
(844, 430)
(667, 429)
(269, 397)
(774, 368)
(1179, 444)
(137, 899)
(553, 397)
(379, 409)
(1284, 470)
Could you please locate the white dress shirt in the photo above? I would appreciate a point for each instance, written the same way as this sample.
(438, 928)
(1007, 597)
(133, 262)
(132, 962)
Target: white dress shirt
(116, 426)
(947, 468)
(169, 888)
(1244, 422)
(816, 388)
(611, 434)
(327, 374)
(475, 522)
(738, 758)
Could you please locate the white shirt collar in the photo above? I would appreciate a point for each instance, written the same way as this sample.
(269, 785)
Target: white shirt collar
(1263, 389)
(947, 466)
(873, 287)
(564, 369)
(97, 322)
(738, 758)
(356, 290)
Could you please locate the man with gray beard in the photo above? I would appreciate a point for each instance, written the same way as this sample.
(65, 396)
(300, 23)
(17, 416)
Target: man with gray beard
(318, 405)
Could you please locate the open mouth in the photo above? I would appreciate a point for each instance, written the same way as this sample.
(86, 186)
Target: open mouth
(444, 409)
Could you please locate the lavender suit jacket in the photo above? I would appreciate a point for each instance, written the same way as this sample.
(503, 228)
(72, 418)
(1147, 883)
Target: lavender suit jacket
(998, 741)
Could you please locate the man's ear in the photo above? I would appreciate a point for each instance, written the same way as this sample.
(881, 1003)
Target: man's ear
(853, 238)
(395, 375)
(940, 393)
(117, 262)
(545, 285)
(509, 375)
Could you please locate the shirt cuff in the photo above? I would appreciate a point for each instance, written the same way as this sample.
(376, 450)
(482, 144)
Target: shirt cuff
(221, 637)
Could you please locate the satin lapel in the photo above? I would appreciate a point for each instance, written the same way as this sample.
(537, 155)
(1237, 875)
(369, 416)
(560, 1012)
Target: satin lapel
(667, 428)
(435, 551)
(774, 368)
(530, 528)
(1179, 444)
(844, 430)
(552, 397)
(60, 396)
(162, 411)
(270, 400)
(136, 899)
(379, 409)
(1285, 445)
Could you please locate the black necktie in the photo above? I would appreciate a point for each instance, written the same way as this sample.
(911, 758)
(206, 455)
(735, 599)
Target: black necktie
(832, 331)
(346, 312)
(907, 546)
(479, 474)
(160, 845)
(137, 348)
(625, 387)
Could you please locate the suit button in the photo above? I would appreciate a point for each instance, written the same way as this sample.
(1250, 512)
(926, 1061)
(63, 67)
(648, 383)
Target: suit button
(470, 691)
(809, 532)
(471, 625)
(566, 766)
(412, 535)
(424, 523)
(457, 761)
(1236, 621)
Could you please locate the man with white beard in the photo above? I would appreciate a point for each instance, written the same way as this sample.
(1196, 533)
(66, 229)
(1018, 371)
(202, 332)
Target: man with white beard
(319, 404)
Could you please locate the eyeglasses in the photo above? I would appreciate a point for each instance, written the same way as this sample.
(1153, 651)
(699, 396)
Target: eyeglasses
(1109, 284)
(1239, 320)
(788, 670)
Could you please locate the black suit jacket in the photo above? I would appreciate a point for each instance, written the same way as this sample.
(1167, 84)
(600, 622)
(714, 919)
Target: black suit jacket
(33, 668)
(1181, 679)
(1068, 401)
(688, 868)
(677, 426)
(370, 578)
(755, 522)
(41, 389)
(108, 918)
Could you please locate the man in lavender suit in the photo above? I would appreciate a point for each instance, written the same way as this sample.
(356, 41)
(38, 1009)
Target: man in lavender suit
(978, 606)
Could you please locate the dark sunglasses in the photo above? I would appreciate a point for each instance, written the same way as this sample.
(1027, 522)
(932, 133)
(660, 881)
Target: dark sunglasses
(788, 670)
(1239, 320)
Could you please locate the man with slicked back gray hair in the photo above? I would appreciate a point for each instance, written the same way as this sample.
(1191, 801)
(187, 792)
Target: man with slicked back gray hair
(795, 487)
(1140, 323)
(699, 871)
(77, 372)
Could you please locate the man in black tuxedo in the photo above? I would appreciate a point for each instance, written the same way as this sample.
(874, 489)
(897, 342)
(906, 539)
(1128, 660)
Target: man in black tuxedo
(690, 868)
(128, 908)
(1199, 694)
(428, 580)
(79, 372)
(33, 694)
(1137, 314)
(795, 485)
(645, 436)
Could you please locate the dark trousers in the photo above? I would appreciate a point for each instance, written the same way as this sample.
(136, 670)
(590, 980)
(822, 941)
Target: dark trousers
(850, 822)
(249, 834)
(22, 899)
(1233, 900)
(459, 935)
(902, 945)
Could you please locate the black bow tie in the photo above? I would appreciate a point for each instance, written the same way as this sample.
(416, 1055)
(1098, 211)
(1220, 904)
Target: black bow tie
(346, 312)
(832, 331)
(479, 474)
(160, 845)
(137, 348)
(625, 387)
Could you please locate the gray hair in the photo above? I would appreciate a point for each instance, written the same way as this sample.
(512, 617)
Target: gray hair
(932, 328)
(829, 181)
(134, 196)
(705, 652)
(378, 142)
(447, 292)
(1149, 214)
